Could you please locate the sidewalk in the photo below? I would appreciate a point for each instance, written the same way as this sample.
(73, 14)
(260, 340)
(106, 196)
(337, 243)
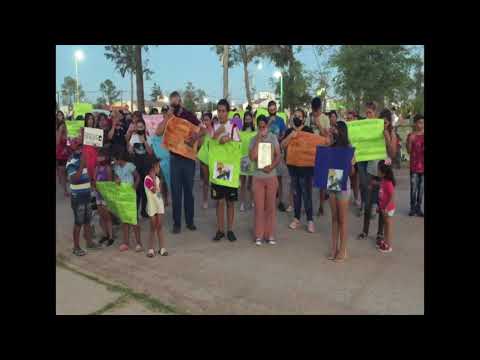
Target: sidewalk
(293, 277)
(81, 294)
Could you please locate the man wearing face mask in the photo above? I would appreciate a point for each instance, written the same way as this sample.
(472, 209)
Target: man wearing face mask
(182, 169)
(301, 178)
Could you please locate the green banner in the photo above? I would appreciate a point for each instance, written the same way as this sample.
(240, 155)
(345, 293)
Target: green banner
(81, 109)
(366, 136)
(202, 155)
(121, 200)
(263, 111)
(73, 127)
(224, 163)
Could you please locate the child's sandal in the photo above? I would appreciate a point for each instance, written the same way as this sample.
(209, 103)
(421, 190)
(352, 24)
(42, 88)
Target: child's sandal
(362, 236)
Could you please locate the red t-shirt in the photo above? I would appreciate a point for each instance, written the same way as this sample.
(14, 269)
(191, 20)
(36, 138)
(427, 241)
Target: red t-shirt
(417, 154)
(91, 159)
(385, 195)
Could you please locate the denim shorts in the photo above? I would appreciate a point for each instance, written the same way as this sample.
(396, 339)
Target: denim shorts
(82, 211)
(339, 195)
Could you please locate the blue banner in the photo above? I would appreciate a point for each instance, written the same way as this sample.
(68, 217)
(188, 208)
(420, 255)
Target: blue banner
(332, 167)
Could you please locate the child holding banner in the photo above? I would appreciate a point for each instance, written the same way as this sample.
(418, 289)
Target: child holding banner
(338, 200)
(224, 133)
(155, 208)
(248, 130)
(80, 198)
(386, 203)
(265, 183)
(103, 172)
(373, 179)
(125, 172)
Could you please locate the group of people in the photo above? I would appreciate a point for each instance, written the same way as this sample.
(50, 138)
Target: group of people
(132, 156)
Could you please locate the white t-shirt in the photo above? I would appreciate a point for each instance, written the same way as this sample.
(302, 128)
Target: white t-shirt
(228, 131)
(138, 147)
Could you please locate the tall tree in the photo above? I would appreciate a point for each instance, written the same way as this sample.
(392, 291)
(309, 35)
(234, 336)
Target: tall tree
(156, 92)
(225, 70)
(241, 54)
(69, 89)
(139, 76)
(124, 57)
(109, 91)
(372, 72)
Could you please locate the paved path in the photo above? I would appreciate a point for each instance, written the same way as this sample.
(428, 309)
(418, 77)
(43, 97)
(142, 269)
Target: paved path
(293, 277)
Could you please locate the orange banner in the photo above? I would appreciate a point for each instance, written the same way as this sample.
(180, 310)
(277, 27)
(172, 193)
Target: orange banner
(302, 148)
(177, 131)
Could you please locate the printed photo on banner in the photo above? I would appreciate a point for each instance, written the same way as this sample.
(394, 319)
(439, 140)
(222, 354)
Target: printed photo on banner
(92, 136)
(334, 179)
(223, 171)
(177, 132)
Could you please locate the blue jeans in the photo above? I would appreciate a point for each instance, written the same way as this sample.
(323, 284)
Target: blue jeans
(416, 191)
(364, 180)
(302, 188)
(182, 171)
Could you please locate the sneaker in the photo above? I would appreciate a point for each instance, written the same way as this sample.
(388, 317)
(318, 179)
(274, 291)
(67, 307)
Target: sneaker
(294, 224)
(310, 227)
(104, 239)
(384, 248)
(258, 242)
(289, 208)
(110, 242)
(272, 242)
(412, 213)
(191, 227)
(242, 207)
(138, 248)
(176, 230)
(79, 252)
(163, 252)
(231, 236)
(218, 236)
(281, 207)
(420, 213)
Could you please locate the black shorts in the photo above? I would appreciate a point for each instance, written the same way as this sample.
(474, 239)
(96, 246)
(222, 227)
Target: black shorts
(220, 192)
(82, 211)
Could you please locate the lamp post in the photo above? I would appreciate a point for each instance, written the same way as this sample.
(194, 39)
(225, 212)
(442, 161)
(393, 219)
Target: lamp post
(79, 56)
(278, 74)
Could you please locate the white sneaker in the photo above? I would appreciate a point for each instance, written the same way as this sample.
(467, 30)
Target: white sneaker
(258, 242)
(289, 208)
(242, 207)
(310, 227)
(294, 224)
(272, 242)
(253, 205)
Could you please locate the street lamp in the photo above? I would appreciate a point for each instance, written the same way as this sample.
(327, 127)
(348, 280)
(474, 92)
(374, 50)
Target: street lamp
(79, 56)
(277, 75)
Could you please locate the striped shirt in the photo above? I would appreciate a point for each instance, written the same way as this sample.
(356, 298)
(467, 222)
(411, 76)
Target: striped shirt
(80, 188)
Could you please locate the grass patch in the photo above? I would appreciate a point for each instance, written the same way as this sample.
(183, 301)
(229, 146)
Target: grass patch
(150, 302)
(120, 301)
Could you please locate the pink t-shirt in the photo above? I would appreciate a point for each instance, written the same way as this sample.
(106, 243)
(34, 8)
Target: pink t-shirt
(385, 195)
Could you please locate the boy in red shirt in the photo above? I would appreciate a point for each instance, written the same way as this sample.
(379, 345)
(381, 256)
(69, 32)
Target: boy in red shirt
(415, 148)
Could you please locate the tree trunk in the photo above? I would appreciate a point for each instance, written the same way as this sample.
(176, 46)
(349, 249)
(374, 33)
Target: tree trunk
(225, 71)
(131, 91)
(139, 74)
(247, 83)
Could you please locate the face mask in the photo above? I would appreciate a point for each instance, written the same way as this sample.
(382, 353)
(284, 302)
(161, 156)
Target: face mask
(140, 132)
(297, 122)
(272, 114)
